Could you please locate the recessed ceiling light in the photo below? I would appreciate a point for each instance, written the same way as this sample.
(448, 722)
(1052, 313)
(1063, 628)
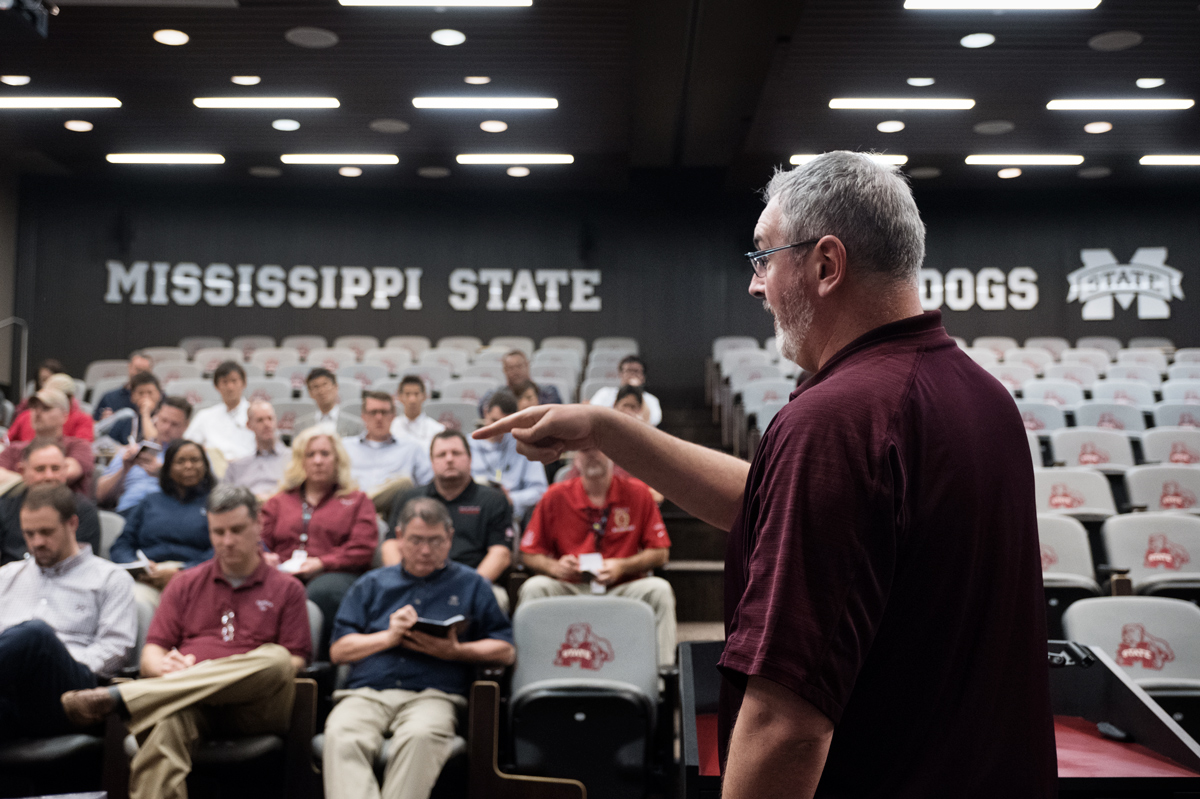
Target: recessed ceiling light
(1098, 127)
(266, 171)
(350, 171)
(14, 80)
(890, 126)
(1007, 174)
(338, 158)
(484, 102)
(1025, 160)
(285, 124)
(389, 126)
(477, 80)
(440, 3)
(493, 126)
(1120, 105)
(994, 127)
(889, 160)
(171, 37)
(517, 171)
(1115, 40)
(920, 81)
(59, 102)
(266, 102)
(976, 40)
(924, 172)
(1093, 172)
(1169, 160)
(433, 172)
(903, 103)
(1003, 5)
(448, 37)
(246, 80)
(1149, 83)
(312, 38)
(515, 158)
(78, 125)
(165, 158)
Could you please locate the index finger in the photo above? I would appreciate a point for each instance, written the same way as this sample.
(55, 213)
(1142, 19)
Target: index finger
(521, 419)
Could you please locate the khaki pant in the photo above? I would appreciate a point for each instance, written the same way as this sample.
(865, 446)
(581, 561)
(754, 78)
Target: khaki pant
(144, 592)
(654, 591)
(501, 597)
(248, 694)
(422, 725)
(384, 494)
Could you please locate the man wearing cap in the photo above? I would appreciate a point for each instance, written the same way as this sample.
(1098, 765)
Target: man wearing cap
(49, 408)
(122, 397)
(77, 425)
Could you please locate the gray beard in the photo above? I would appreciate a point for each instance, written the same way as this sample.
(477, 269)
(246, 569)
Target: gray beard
(793, 319)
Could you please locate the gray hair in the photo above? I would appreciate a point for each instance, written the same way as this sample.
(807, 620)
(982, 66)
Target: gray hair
(225, 498)
(428, 510)
(868, 206)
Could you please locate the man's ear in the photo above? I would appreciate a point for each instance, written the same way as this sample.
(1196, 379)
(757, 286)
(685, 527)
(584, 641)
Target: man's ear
(831, 259)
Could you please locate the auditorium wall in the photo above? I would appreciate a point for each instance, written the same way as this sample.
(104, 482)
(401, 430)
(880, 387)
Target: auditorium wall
(105, 268)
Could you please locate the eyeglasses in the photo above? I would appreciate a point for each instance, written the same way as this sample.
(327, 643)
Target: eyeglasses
(758, 260)
(227, 626)
(379, 412)
(434, 542)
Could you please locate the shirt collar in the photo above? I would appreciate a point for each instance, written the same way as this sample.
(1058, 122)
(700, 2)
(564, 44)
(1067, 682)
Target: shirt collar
(433, 575)
(254, 578)
(67, 564)
(579, 497)
(391, 439)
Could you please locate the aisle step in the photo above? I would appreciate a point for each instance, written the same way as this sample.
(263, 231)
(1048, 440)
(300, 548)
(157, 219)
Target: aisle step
(699, 589)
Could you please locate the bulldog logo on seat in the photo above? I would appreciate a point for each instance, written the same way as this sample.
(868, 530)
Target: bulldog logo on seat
(1175, 497)
(1049, 556)
(1161, 552)
(1139, 646)
(1063, 498)
(584, 647)
(1089, 455)
(1181, 454)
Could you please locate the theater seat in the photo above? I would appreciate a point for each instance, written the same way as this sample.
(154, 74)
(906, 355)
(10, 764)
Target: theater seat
(1067, 573)
(1165, 488)
(1161, 551)
(1172, 445)
(1108, 451)
(1081, 493)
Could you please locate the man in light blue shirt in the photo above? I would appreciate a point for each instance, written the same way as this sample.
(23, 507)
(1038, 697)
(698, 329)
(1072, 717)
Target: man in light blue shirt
(497, 462)
(130, 476)
(381, 462)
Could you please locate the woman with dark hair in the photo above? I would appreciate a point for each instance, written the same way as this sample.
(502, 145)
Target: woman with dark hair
(169, 528)
(48, 367)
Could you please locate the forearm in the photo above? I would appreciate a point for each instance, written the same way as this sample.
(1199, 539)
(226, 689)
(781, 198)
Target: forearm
(778, 746)
(494, 563)
(152, 658)
(538, 563)
(74, 470)
(389, 551)
(109, 485)
(704, 482)
(298, 663)
(487, 650)
(356, 646)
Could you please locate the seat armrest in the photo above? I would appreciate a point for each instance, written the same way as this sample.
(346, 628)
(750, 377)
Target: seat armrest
(300, 771)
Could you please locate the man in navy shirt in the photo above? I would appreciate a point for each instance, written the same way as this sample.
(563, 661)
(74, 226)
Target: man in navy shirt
(404, 680)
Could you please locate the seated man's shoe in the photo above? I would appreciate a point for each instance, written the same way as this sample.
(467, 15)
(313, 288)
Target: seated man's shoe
(89, 707)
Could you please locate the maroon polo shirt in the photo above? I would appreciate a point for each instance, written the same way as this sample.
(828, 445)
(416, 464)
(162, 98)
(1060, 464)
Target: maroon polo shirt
(75, 448)
(563, 520)
(270, 607)
(342, 532)
(885, 567)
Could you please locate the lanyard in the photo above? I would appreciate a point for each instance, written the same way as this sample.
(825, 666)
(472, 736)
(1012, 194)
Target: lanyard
(306, 513)
(599, 526)
(496, 468)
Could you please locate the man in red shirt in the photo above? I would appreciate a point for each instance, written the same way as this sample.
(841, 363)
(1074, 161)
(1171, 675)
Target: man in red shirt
(223, 651)
(615, 516)
(49, 408)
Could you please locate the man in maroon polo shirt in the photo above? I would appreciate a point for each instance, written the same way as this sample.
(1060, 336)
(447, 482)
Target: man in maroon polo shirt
(885, 629)
(222, 654)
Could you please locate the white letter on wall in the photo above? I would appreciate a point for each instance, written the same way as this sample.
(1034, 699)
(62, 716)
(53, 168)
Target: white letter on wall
(989, 289)
(272, 290)
(186, 282)
(412, 297)
(524, 295)
(302, 281)
(552, 279)
(356, 282)
(389, 282)
(960, 289)
(1022, 285)
(464, 294)
(583, 286)
(218, 282)
(132, 280)
(496, 280)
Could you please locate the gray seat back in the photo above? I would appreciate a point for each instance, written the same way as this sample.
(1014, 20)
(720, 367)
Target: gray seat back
(1082, 493)
(1065, 548)
(316, 619)
(1151, 637)
(1172, 445)
(1091, 446)
(1153, 545)
(1110, 416)
(1169, 488)
(111, 525)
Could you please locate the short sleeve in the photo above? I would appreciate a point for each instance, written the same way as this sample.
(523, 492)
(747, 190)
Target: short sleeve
(295, 635)
(352, 614)
(268, 516)
(491, 623)
(534, 541)
(10, 458)
(499, 519)
(818, 568)
(166, 630)
(654, 531)
(124, 549)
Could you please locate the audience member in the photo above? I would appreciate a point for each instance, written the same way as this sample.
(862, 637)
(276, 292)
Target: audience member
(527, 394)
(614, 516)
(320, 527)
(497, 461)
(403, 681)
(146, 395)
(133, 473)
(414, 421)
(168, 528)
(48, 367)
(480, 515)
(221, 428)
(121, 397)
(631, 402)
(77, 424)
(385, 464)
(632, 371)
(323, 388)
(66, 618)
(516, 374)
(49, 408)
(221, 654)
(43, 463)
(262, 471)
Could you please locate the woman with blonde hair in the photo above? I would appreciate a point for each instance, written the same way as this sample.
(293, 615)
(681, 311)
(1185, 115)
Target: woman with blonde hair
(320, 527)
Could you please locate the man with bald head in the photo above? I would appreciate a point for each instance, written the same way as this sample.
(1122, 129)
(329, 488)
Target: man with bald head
(262, 471)
(886, 633)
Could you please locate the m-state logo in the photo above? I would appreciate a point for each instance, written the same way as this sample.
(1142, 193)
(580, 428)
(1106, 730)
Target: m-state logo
(1146, 278)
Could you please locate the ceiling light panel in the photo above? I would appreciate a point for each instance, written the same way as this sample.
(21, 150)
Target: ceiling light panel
(888, 160)
(477, 80)
(441, 4)
(1120, 105)
(340, 159)
(903, 103)
(1149, 83)
(78, 125)
(1097, 127)
(1169, 160)
(285, 124)
(165, 158)
(890, 126)
(448, 37)
(920, 81)
(517, 171)
(266, 102)
(1015, 159)
(59, 102)
(973, 41)
(484, 102)
(1009, 173)
(14, 80)
(171, 37)
(493, 126)
(246, 80)
(515, 158)
(1002, 5)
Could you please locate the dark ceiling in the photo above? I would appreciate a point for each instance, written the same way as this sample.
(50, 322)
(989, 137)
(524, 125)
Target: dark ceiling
(731, 86)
